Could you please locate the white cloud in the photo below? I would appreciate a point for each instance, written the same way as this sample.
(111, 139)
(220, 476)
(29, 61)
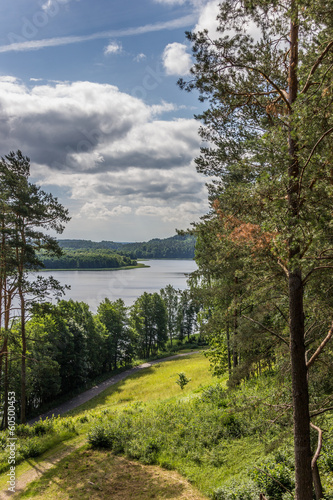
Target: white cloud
(113, 48)
(171, 214)
(208, 19)
(140, 57)
(108, 151)
(176, 59)
(97, 210)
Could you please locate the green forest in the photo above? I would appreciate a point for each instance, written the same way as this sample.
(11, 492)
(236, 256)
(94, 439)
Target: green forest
(176, 247)
(87, 259)
(86, 254)
(261, 297)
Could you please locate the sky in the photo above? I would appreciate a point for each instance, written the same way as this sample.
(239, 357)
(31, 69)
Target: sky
(88, 91)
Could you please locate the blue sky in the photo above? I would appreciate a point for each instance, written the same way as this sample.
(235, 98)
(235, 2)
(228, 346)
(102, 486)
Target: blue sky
(88, 91)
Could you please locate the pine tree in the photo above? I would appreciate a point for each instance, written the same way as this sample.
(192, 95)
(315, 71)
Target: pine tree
(268, 130)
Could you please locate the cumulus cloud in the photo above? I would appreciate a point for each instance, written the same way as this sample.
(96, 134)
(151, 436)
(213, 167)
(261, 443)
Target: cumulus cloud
(208, 19)
(97, 210)
(176, 59)
(170, 214)
(113, 48)
(109, 152)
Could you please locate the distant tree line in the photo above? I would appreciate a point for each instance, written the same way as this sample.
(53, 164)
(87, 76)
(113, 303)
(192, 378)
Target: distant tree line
(176, 247)
(87, 259)
(68, 345)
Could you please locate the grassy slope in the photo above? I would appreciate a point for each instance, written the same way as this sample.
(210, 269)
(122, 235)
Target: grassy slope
(152, 387)
(152, 384)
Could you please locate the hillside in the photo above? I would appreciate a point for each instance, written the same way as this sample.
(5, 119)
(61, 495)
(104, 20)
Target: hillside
(226, 444)
(175, 247)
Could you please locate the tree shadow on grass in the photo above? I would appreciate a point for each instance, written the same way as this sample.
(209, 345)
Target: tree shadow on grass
(97, 474)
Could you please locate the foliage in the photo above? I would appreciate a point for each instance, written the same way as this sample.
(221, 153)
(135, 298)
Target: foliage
(182, 380)
(26, 212)
(87, 259)
(68, 346)
(248, 491)
(176, 247)
(265, 249)
(148, 317)
(275, 477)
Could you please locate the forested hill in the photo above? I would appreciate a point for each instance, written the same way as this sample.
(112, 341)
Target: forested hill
(176, 247)
(88, 259)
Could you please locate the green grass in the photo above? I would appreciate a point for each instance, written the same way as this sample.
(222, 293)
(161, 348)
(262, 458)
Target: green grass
(147, 417)
(151, 384)
(212, 437)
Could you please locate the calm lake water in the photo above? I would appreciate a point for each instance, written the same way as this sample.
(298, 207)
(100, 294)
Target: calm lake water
(93, 286)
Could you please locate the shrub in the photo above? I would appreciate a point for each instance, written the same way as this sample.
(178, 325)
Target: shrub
(215, 394)
(32, 448)
(235, 492)
(275, 478)
(43, 427)
(182, 380)
(99, 436)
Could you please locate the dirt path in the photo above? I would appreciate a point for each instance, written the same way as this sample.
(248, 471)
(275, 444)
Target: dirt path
(38, 469)
(97, 389)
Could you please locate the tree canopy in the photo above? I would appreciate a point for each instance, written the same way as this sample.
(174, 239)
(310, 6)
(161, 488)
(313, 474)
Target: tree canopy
(267, 242)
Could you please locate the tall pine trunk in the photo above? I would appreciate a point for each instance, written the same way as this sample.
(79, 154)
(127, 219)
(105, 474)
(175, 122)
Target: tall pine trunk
(301, 416)
(302, 448)
(23, 361)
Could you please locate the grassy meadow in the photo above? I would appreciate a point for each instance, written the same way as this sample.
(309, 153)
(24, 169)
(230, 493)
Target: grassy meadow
(146, 438)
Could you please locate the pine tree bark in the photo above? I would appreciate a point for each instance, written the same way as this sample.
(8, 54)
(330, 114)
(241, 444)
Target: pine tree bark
(300, 395)
(23, 361)
(302, 448)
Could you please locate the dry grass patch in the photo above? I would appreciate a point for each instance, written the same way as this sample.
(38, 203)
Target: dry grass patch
(93, 474)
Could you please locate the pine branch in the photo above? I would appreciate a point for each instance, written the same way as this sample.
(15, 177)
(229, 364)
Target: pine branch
(311, 154)
(320, 348)
(267, 329)
(315, 66)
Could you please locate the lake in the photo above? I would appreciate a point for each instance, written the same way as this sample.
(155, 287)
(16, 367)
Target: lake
(94, 286)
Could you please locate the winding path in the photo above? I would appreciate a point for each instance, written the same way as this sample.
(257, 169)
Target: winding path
(97, 389)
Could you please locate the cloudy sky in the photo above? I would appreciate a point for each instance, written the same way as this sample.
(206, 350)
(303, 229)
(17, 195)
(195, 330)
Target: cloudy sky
(88, 91)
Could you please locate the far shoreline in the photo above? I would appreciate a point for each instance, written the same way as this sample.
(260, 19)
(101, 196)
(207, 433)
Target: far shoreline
(138, 266)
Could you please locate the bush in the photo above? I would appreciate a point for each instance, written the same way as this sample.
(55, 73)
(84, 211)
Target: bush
(275, 479)
(32, 448)
(182, 380)
(235, 492)
(215, 394)
(43, 427)
(100, 436)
